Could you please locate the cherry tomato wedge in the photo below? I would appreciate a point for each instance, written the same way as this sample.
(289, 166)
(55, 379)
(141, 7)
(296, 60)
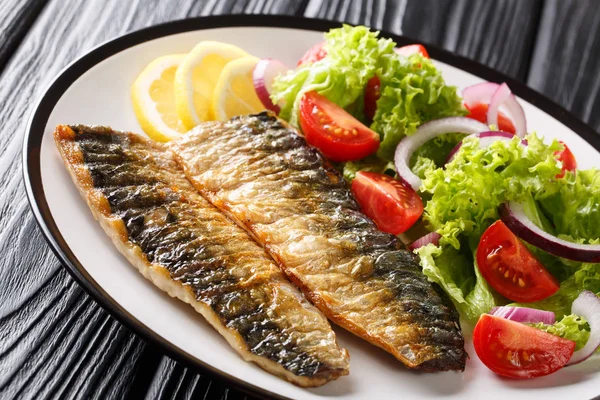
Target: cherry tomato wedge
(412, 49)
(568, 160)
(509, 267)
(372, 93)
(479, 112)
(392, 204)
(314, 54)
(335, 132)
(515, 350)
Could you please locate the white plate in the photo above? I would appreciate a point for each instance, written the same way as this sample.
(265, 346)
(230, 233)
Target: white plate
(95, 90)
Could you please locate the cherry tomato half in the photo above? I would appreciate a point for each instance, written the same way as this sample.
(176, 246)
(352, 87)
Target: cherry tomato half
(335, 132)
(568, 160)
(509, 267)
(314, 54)
(412, 49)
(515, 350)
(479, 112)
(392, 204)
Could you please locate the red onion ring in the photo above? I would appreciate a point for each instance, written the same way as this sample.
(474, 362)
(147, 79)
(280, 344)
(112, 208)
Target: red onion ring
(479, 93)
(263, 74)
(504, 97)
(524, 314)
(587, 305)
(513, 215)
(424, 133)
(432, 237)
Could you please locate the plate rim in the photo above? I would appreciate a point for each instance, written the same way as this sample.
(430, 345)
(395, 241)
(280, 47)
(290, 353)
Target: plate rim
(42, 109)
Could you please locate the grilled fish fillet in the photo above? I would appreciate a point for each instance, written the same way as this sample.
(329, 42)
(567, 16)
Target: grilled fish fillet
(186, 247)
(263, 174)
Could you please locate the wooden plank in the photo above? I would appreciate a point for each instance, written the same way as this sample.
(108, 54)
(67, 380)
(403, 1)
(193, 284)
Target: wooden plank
(499, 33)
(174, 381)
(566, 60)
(17, 17)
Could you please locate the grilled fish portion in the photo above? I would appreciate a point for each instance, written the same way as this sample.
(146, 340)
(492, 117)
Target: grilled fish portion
(264, 175)
(186, 247)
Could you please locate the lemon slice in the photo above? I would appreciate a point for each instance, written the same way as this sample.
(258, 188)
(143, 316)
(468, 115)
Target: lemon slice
(235, 93)
(196, 79)
(153, 99)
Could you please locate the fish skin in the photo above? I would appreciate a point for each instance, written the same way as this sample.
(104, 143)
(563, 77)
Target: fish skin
(261, 173)
(188, 248)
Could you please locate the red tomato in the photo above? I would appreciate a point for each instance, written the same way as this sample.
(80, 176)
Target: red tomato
(568, 160)
(392, 204)
(479, 112)
(515, 350)
(412, 49)
(510, 268)
(314, 54)
(372, 93)
(338, 135)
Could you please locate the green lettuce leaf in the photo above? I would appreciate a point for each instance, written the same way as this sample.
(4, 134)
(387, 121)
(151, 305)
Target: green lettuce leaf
(571, 327)
(354, 55)
(371, 164)
(455, 272)
(575, 208)
(413, 91)
(433, 154)
(464, 201)
(466, 194)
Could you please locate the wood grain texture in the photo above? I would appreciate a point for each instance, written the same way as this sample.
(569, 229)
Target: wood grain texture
(566, 60)
(17, 17)
(497, 33)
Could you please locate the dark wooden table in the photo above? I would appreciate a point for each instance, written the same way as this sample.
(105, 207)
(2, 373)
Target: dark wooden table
(55, 341)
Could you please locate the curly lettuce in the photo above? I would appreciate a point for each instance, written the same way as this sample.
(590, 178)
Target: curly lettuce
(464, 201)
(571, 327)
(413, 91)
(354, 55)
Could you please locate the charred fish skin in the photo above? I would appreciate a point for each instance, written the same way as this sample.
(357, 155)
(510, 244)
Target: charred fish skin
(188, 248)
(262, 173)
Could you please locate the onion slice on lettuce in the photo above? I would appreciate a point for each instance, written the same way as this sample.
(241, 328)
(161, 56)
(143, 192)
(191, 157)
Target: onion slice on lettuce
(486, 139)
(587, 305)
(431, 237)
(513, 215)
(524, 314)
(425, 133)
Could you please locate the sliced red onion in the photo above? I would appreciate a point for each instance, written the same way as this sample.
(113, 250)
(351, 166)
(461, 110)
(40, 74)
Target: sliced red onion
(524, 314)
(479, 93)
(513, 215)
(587, 305)
(264, 73)
(424, 133)
(504, 97)
(432, 237)
(486, 139)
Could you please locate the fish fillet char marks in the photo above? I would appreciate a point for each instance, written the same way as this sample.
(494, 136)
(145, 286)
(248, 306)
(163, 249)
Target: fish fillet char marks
(186, 247)
(261, 173)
